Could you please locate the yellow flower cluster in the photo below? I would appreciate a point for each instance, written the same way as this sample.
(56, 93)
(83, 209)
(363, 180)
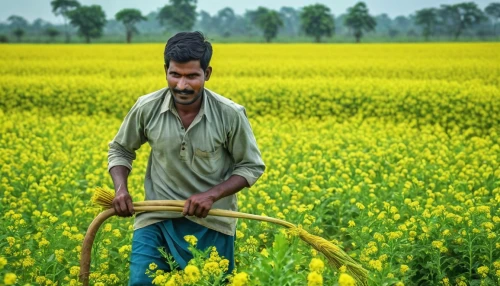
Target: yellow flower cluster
(346, 280)
(390, 151)
(316, 268)
(191, 239)
(212, 271)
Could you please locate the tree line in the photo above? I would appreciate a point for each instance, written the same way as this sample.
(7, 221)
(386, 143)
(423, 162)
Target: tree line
(315, 21)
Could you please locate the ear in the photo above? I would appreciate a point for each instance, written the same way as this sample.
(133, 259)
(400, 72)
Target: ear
(208, 73)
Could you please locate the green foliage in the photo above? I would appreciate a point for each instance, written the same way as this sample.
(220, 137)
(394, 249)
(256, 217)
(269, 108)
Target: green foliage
(317, 21)
(268, 21)
(278, 266)
(225, 20)
(90, 21)
(200, 273)
(179, 15)
(291, 21)
(52, 32)
(359, 20)
(63, 7)
(428, 19)
(130, 17)
(172, 264)
(19, 33)
(493, 10)
(459, 17)
(17, 21)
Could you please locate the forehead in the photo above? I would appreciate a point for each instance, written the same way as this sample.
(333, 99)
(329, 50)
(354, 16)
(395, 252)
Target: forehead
(187, 67)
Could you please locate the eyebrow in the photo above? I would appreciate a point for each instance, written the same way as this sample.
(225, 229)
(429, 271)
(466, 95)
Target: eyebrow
(193, 73)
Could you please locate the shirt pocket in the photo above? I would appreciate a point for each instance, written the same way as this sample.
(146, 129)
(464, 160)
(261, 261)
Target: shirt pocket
(205, 162)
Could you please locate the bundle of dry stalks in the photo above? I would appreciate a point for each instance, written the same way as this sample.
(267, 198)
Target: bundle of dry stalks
(104, 198)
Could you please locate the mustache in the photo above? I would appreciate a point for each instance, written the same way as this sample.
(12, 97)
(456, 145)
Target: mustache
(183, 91)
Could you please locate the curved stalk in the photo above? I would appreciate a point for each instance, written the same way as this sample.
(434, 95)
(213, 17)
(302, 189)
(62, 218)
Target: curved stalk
(89, 241)
(336, 256)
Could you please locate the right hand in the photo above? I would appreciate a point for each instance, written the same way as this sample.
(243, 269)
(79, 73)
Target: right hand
(122, 203)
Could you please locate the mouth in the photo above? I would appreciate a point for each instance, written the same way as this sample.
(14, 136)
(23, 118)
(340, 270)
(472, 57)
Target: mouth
(183, 92)
(183, 96)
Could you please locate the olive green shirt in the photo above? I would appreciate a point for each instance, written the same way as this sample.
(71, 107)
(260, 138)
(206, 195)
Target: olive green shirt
(218, 143)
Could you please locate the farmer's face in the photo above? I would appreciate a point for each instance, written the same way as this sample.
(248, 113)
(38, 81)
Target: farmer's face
(186, 80)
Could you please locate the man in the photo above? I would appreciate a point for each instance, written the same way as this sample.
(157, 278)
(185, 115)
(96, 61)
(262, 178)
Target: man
(203, 151)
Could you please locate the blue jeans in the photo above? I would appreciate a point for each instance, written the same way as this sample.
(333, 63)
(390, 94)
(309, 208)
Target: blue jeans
(170, 235)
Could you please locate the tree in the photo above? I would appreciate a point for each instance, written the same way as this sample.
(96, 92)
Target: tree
(402, 22)
(19, 33)
(460, 17)
(151, 25)
(90, 21)
(130, 17)
(180, 14)
(225, 20)
(19, 24)
(52, 33)
(39, 25)
(316, 21)
(291, 20)
(359, 20)
(268, 21)
(393, 32)
(493, 10)
(206, 23)
(63, 7)
(384, 23)
(428, 19)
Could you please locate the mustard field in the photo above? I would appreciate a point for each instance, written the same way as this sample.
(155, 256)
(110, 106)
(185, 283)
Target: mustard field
(390, 151)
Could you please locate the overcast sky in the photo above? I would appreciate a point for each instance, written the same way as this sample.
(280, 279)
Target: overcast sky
(32, 9)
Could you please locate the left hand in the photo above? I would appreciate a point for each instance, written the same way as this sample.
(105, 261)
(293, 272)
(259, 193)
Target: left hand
(199, 205)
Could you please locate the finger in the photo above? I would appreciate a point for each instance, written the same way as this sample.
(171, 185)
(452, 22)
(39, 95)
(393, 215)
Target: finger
(205, 213)
(186, 207)
(115, 206)
(130, 206)
(192, 208)
(123, 208)
(199, 211)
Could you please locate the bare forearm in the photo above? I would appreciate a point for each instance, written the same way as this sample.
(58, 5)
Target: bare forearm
(229, 187)
(119, 174)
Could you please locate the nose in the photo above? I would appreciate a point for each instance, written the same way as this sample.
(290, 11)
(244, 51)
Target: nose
(182, 84)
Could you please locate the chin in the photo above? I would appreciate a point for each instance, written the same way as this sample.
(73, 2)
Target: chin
(184, 101)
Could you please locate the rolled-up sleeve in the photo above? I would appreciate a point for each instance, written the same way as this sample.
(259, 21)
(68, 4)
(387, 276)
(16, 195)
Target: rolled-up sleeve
(243, 148)
(129, 138)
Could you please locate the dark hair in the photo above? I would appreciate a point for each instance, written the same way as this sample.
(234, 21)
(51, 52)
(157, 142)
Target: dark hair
(187, 46)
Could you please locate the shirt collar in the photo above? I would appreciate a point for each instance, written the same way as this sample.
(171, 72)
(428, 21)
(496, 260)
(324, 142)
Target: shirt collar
(167, 104)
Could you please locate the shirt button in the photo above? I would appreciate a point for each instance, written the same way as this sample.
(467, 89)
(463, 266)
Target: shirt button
(183, 148)
(183, 143)
(182, 128)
